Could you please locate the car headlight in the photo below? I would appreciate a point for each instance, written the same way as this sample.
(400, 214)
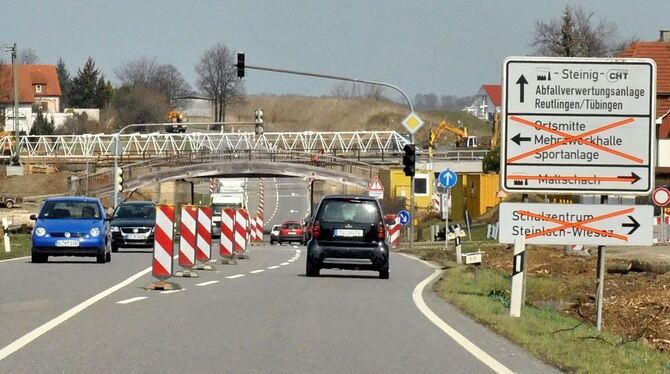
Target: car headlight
(114, 229)
(40, 231)
(95, 232)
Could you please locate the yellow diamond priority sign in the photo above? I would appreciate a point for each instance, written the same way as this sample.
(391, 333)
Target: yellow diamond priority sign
(412, 122)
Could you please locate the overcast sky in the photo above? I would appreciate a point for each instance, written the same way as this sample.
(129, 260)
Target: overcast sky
(445, 47)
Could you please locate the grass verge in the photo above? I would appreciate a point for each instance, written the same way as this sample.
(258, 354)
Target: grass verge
(20, 246)
(563, 341)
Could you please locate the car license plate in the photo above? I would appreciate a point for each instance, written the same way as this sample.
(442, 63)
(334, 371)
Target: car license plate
(67, 243)
(135, 237)
(348, 233)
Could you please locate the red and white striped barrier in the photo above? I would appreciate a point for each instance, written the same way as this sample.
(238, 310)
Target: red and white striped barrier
(241, 231)
(187, 229)
(394, 230)
(436, 202)
(163, 233)
(226, 247)
(259, 228)
(657, 221)
(261, 199)
(204, 234)
(253, 239)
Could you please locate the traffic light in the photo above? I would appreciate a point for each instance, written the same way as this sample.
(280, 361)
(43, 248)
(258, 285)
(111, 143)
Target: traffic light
(240, 65)
(409, 159)
(118, 180)
(259, 121)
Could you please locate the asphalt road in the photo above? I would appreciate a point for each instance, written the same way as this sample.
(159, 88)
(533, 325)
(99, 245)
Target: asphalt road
(259, 316)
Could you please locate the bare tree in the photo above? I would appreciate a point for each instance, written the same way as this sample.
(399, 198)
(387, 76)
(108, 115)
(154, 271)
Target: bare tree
(577, 34)
(375, 92)
(28, 56)
(217, 77)
(340, 90)
(147, 72)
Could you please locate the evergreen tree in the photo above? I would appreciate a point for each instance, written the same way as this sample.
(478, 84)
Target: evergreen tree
(65, 82)
(42, 126)
(84, 92)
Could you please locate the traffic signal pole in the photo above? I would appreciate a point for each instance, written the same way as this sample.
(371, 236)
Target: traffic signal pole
(241, 66)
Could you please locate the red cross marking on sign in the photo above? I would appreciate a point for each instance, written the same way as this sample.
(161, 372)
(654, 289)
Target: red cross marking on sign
(579, 224)
(571, 138)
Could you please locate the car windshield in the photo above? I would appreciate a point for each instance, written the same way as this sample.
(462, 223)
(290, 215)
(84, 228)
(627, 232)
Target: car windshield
(276, 228)
(70, 210)
(137, 211)
(352, 210)
(291, 226)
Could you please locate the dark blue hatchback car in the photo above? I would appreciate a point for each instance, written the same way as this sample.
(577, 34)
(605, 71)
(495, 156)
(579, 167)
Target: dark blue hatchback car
(71, 226)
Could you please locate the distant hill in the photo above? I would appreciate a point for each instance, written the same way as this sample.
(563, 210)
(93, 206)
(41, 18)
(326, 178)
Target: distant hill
(299, 113)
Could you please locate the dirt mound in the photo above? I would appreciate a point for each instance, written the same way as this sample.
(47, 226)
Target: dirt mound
(34, 184)
(637, 304)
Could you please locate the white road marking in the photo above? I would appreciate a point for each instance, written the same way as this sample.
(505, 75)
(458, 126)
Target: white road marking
(295, 246)
(273, 267)
(284, 263)
(41, 330)
(299, 251)
(417, 297)
(172, 291)
(236, 276)
(256, 271)
(291, 260)
(131, 300)
(274, 213)
(206, 283)
(15, 259)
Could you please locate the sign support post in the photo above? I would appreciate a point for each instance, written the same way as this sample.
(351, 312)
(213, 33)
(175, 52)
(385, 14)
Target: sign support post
(518, 272)
(600, 280)
(663, 239)
(445, 214)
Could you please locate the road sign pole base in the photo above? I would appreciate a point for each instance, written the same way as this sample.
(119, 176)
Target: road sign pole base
(205, 267)
(227, 261)
(162, 286)
(243, 256)
(187, 273)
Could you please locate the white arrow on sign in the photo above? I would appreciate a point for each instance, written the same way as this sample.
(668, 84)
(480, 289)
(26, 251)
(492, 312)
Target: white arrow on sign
(566, 224)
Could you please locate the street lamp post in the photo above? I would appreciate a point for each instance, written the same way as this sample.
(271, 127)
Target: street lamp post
(117, 145)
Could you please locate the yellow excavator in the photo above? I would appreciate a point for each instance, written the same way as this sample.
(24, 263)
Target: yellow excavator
(177, 118)
(464, 140)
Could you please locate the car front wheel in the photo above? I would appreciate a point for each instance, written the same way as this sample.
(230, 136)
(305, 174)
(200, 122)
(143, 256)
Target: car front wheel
(37, 258)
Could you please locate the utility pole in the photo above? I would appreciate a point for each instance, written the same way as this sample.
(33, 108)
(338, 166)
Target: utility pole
(15, 84)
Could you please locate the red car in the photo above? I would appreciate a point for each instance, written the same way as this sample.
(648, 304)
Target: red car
(292, 231)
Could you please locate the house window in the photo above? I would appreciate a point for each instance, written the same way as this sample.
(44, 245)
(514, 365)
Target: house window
(38, 88)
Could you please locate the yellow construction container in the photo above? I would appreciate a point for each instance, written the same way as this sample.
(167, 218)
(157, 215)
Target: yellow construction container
(480, 193)
(397, 185)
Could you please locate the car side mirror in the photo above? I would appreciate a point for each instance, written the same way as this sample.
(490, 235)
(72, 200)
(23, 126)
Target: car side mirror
(33, 217)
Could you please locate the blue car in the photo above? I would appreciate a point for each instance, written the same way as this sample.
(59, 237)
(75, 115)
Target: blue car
(71, 226)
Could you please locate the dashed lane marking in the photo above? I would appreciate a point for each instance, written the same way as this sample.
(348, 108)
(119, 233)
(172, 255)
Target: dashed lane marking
(207, 283)
(172, 291)
(273, 267)
(131, 300)
(256, 271)
(236, 276)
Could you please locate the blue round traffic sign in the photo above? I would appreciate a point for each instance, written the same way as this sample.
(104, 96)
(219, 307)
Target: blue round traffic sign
(448, 178)
(404, 217)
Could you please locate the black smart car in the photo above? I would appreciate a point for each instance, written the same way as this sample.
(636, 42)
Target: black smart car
(133, 225)
(348, 232)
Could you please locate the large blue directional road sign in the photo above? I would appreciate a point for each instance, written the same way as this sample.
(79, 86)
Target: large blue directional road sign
(404, 217)
(448, 178)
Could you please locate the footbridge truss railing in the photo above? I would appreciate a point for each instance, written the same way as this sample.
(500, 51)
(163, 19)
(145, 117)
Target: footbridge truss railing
(100, 147)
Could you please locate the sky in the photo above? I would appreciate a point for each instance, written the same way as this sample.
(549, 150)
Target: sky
(443, 47)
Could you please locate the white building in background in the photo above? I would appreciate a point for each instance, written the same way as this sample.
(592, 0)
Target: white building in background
(486, 102)
(38, 86)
